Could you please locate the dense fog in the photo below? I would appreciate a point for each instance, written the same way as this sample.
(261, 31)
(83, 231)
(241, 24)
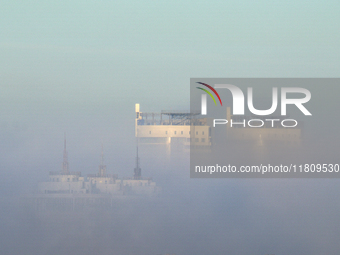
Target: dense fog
(79, 68)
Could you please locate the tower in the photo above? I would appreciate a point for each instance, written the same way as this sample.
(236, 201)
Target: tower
(137, 171)
(102, 167)
(65, 161)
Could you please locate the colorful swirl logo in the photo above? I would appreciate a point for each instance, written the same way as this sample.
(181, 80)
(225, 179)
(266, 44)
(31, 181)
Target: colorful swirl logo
(209, 93)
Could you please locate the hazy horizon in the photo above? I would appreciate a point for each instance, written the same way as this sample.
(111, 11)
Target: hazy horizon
(80, 67)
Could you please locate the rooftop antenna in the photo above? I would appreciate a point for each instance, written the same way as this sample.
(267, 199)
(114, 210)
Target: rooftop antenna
(137, 171)
(102, 167)
(65, 161)
(102, 155)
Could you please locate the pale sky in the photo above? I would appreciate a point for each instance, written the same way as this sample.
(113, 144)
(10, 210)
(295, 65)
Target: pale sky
(80, 66)
(146, 51)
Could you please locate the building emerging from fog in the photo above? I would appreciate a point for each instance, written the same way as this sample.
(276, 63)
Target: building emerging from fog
(168, 127)
(186, 128)
(66, 182)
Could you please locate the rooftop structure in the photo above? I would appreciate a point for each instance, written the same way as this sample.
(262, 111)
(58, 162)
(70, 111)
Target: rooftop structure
(183, 127)
(169, 127)
(66, 182)
(137, 171)
(65, 161)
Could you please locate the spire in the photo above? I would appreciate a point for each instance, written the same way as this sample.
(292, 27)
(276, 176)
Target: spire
(65, 162)
(102, 156)
(102, 167)
(137, 171)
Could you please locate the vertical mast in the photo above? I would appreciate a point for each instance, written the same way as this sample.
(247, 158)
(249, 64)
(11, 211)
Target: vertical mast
(137, 171)
(65, 161)
(102, 167)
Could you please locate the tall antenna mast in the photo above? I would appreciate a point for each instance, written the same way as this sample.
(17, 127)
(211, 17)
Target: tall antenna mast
(137, 171)
(65, 161)
(102, 156)
(102, 167)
